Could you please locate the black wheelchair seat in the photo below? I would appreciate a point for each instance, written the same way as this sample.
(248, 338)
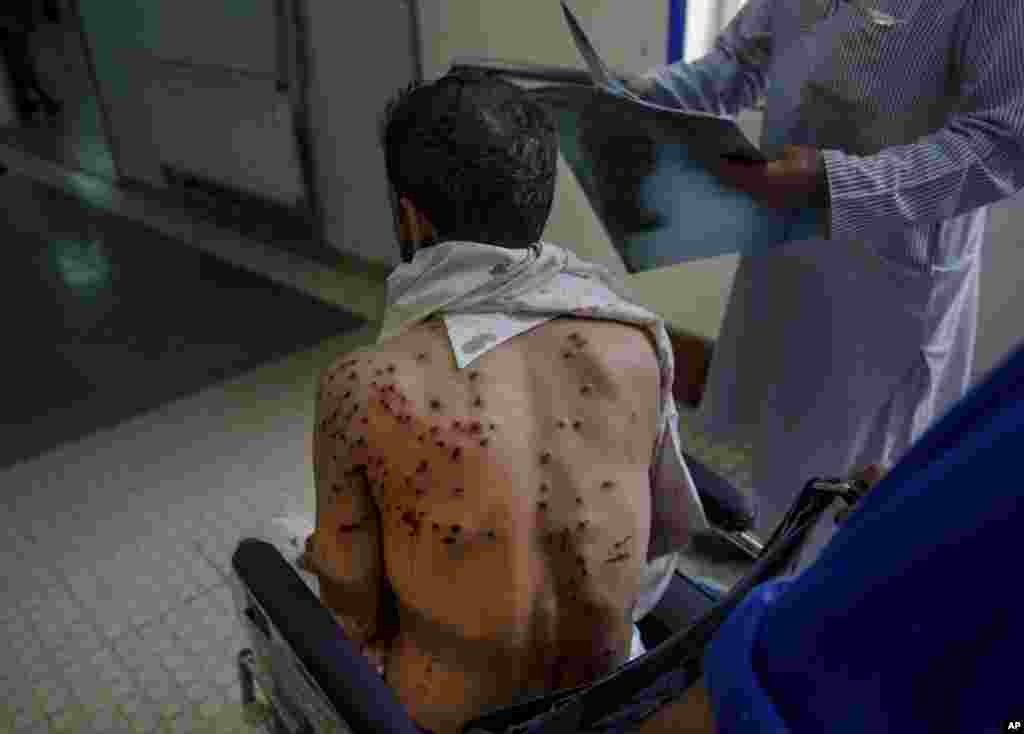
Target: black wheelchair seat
(316, 679)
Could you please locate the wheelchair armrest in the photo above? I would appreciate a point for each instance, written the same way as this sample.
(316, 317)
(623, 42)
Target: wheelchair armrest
(359, 696)
(726, 507)
(683, 604)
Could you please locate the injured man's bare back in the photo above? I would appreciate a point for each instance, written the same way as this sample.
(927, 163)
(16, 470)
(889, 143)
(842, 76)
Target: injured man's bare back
(486, 529)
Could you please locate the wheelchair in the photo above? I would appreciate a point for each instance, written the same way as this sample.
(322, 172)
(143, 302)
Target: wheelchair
(314, 679)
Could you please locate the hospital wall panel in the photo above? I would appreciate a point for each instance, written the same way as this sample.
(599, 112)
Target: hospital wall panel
(118, 36)
(198, 86)
(1001, 307)
(360, 56)
(8, 109)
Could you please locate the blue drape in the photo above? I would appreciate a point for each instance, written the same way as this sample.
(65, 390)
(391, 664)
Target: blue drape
(911, 618)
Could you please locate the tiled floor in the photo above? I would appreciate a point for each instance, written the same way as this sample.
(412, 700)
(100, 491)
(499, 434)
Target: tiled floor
(114, 549)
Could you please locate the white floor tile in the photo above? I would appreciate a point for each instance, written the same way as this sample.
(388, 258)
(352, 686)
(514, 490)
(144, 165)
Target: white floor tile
(226, 676)
(8, 602)
(232, 693)
(102, 658)
(164, 692)
(84, 640)
(120, 681)
(55, 696)
(105, 718)
(19, 628)
(127, 692)
(27, 649)
(205, 573)
(51, 630)
(198, 646)
(112, 624)
(29, 722)
(136, 660)
(198, 692)
(41, 669)
(68, 720)
(184, 676)
(147, 717)
(164, 603)
(8, 686)
(35, 598)
(175, 661)
(89, 689)
(64, 657)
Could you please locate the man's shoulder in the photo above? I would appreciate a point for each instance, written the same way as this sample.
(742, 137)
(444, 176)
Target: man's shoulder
(343, 387)
(355, 370)
(356, 360)
(373, 359)
(618, 343)
(406, 362)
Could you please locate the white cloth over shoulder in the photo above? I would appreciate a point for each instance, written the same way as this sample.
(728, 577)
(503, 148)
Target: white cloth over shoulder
(490, 294)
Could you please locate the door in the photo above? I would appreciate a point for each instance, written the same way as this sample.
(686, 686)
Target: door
(55, 109)
(202, 99)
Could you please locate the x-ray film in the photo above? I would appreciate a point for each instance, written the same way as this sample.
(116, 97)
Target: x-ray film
(648, 181)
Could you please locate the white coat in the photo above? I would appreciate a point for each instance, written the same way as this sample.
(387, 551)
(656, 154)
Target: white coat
(840, 351)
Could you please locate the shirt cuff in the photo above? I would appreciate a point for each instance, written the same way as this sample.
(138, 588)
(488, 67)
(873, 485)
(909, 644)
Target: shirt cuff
(826, 194)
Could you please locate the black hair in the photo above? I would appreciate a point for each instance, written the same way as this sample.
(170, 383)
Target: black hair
(475, 155)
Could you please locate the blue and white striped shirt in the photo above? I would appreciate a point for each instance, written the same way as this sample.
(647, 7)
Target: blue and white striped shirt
(921, 122)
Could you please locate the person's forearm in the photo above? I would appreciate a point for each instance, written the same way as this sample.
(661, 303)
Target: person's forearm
(822, 198)
(923, 183)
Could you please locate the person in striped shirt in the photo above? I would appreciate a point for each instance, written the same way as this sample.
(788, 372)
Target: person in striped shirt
(901, 120)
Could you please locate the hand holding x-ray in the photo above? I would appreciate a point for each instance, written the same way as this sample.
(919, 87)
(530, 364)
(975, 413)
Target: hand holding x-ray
(796, 180)
(637, 85)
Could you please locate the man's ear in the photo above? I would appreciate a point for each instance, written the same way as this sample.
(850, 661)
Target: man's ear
(414, 225)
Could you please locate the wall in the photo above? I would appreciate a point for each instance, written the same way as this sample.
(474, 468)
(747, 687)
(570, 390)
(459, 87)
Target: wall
(704, 20)
(1001, 311)
(360, 58)
(8, 110)
(628, 35)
